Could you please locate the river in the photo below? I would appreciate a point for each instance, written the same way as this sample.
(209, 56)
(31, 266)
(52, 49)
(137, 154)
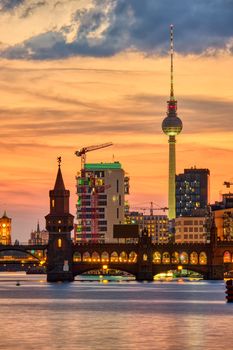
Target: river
(109, 315)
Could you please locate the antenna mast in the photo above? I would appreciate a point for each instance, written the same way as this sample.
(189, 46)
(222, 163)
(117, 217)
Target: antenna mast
(172, 54)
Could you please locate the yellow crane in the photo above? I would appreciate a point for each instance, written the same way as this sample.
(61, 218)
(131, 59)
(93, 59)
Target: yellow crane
(82, 152)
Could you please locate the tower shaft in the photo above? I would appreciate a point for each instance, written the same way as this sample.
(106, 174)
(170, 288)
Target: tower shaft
(172, 178)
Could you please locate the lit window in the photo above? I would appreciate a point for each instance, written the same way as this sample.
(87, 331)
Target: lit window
(59, 243)
(53, 203)
(144, 257)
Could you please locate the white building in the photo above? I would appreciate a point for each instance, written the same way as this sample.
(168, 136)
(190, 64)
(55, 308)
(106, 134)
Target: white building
(190, 229)
(101, 194)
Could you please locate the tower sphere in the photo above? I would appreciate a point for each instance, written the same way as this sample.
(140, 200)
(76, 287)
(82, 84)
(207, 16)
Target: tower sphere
(172, 125)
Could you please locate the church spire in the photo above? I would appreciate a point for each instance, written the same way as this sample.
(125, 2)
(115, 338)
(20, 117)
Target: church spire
(38, 227)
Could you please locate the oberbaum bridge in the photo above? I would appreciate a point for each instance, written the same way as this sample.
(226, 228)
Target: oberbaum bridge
(64, 259)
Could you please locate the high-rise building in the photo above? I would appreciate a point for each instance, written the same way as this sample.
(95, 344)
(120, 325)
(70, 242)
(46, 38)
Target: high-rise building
(101, 190)
(192, 192)
(172, 126)
(156, 225)
(5, 229)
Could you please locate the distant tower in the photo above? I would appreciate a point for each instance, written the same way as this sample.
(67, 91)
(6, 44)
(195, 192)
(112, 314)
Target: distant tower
(5, 229)
(172, 126)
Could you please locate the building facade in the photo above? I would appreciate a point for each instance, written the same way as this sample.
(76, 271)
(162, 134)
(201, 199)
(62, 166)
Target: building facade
(223, 217)
(156, 225)
(5, 229)
(191, 229)
(101, 195)
(192, 192)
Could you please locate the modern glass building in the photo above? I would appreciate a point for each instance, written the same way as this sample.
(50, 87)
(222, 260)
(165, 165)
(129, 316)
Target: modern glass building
(192, 192)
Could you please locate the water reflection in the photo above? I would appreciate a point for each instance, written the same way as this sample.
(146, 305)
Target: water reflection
(126, 315)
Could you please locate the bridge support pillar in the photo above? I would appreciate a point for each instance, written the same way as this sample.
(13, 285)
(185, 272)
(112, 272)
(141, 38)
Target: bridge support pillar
(59, 268)
(145, 268)
(144, 276)
(215, 272)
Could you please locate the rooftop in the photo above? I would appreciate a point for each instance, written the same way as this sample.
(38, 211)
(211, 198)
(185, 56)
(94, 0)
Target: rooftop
(102, 166)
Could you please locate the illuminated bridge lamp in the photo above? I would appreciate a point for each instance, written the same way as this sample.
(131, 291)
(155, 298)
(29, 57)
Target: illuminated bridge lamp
(180, 267)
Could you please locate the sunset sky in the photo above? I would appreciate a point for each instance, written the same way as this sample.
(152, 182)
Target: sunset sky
(79, 72)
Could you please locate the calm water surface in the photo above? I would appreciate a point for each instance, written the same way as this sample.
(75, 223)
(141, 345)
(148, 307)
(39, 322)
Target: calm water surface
(114, 315)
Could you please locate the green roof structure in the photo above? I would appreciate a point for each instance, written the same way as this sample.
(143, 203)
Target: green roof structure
(102, 166)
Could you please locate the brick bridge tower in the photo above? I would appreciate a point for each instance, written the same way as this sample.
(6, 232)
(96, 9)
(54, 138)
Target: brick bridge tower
(145, 264)
(59, 223)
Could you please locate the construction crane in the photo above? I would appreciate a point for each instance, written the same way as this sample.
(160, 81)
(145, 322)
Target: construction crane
(228, 184)
(151, 208)
(82, 152)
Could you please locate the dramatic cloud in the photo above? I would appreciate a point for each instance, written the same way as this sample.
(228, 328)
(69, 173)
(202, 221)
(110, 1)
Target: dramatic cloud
(7, 5)
(102, 28)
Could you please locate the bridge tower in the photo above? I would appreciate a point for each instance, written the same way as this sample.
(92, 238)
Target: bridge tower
(145, 264)
(59, 223)
(216, 268)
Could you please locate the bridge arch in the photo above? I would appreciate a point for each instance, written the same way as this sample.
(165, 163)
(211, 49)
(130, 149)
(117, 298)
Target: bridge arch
(184, 258)
(95, 256)
(77, 257)
(194, 258)
(175, 258)
(166, 258)
(227, 257)
(157, 258)
(123, 257)
(163, 268)
(105, 257)
(18, 249)
(86, 256)
(133, 257)
(203, 258)
(114, 257)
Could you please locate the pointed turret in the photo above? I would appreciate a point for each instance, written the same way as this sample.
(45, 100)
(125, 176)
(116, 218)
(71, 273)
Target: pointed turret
(59, 184)
(59, 219)
(4, 215)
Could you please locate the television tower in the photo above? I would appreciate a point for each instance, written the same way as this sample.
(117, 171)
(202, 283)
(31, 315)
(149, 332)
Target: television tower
(172, 126)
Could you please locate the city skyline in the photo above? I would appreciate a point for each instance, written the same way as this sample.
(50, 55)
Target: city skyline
(54, 105)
